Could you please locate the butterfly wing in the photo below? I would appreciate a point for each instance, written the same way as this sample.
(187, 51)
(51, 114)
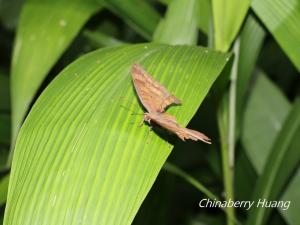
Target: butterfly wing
(169, 122)
(152, 94)
(185, 133)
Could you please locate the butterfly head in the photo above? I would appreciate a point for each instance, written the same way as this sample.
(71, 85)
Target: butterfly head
(147, 117)
(151, 116)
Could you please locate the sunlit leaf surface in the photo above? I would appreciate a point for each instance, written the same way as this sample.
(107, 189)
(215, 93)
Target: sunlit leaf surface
(282, 18)
(228, 17)
(45, 30)
(81, 156)
(180, 23)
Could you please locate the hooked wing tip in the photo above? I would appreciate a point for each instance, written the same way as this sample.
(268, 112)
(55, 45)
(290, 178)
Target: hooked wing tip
(136, 66)
(136, 70)
(196, 135)
(206, 140)
(202, 137)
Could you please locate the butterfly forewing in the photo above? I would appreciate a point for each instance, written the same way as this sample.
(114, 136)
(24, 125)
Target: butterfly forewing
(152, 94)
(155, 98)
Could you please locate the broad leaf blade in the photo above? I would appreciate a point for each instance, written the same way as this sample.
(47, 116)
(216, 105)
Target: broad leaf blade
(252, 37)
(268, 108)
(4, 129)
(264, 115)
(80, 156)
(99, 39)
(180, 24)
(282, 18)
(3, 189)
(281, 163)
(291, 215)
(138, 14)
(5, 119)
(204, 17)
(9, 12)
(228, 17)
(4, 93)
(45, 30)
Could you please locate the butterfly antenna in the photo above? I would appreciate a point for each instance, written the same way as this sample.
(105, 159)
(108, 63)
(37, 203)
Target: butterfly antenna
(132, 112)
(124, 99)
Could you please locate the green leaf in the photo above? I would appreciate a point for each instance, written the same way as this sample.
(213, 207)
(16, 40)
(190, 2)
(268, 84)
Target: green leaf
(180, 23)
(5, 124)
(165, 2)
(204, 13)
(243, 168)
(265, 113)
(3, 188)
(5, 129)
(282, 18)
(292, 194)
(204, 18)
(252, 37)
(83, 158)
(9, 12)
(4, 93)
(138, 14)
(228, 17)
(45, 31)
(282, 161)
(100, 39)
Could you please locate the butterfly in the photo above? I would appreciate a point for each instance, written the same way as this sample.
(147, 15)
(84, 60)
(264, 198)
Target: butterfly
(156, 99)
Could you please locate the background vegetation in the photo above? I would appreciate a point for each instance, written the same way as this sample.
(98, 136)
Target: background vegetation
(73, 153)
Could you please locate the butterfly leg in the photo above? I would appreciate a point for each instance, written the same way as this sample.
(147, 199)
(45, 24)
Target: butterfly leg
(141, 123)
(149, 123)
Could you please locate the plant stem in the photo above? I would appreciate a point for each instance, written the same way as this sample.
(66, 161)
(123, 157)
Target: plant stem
(232, 104)
(227, 126)
(227, 169)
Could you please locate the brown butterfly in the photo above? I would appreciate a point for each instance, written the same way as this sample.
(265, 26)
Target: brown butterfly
(156, 99)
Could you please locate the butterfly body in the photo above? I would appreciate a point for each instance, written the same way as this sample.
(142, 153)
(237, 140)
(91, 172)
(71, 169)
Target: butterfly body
(156, 99)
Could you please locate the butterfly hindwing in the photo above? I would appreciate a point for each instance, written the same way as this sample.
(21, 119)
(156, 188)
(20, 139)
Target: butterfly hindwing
(169, 123)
